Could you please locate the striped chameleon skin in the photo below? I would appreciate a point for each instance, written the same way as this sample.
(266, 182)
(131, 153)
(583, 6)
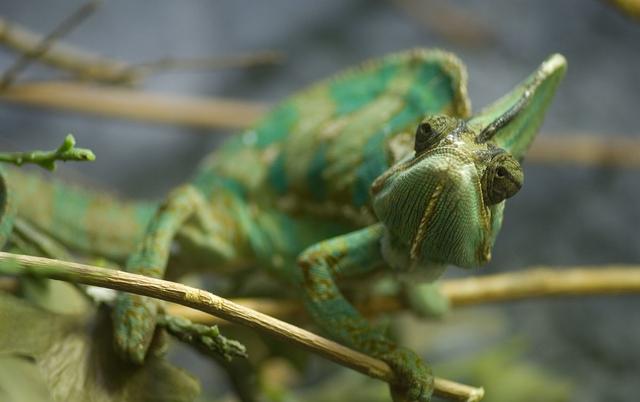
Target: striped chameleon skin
(85, 221)
(380, 168)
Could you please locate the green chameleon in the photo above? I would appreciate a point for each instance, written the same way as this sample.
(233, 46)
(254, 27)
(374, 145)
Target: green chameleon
(379, 168)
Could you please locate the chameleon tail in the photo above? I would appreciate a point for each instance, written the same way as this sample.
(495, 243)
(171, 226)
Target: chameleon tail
(87, 221)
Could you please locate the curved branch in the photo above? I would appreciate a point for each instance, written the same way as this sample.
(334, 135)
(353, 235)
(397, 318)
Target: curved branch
(212, 304)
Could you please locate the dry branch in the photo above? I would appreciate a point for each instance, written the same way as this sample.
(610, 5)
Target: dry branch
(43, 45)
(212, 304)
(137, 105)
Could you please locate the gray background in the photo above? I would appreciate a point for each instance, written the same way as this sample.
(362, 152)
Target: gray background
(565, 215)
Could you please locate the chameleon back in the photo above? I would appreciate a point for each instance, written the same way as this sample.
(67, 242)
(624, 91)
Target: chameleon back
(318, 152)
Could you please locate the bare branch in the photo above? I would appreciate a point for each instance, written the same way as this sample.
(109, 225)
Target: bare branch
(137, 105)
(45, 43)
(87, 66)
(212, 304)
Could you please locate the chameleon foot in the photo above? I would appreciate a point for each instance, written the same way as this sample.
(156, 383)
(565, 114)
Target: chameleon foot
(414, 377)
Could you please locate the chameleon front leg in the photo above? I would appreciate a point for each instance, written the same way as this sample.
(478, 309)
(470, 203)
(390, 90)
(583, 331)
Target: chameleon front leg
(135, 316)
(353, 254)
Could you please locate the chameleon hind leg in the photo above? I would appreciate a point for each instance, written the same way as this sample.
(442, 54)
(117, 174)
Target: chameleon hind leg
(352, 254)
(135, 316)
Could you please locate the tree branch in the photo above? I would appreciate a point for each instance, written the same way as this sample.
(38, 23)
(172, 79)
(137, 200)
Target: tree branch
(42, 46)
(137, 105)
(212, 304)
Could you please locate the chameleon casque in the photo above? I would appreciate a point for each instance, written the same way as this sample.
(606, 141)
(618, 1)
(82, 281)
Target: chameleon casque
(379, 168)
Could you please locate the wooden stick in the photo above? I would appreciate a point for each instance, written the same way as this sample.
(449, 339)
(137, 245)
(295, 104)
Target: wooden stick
(212, 304)
(137, 105)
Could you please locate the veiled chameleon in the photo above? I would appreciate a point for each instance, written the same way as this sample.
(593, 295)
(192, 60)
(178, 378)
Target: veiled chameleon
(378, 168)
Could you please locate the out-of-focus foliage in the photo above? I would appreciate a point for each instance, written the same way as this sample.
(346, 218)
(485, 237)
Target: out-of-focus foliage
(46, 356)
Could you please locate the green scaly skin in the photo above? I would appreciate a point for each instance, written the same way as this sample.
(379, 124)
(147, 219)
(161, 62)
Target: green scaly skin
(379, 168)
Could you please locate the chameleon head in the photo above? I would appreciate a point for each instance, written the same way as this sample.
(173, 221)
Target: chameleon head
(443, 203)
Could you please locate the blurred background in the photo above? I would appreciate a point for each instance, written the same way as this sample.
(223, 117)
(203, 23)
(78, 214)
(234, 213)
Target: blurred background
(567, 213)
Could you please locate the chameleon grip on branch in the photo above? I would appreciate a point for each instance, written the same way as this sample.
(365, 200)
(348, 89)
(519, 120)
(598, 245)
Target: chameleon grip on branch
(379, 168)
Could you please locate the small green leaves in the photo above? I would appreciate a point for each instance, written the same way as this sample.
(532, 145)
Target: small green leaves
(47, 159)
(205, 338)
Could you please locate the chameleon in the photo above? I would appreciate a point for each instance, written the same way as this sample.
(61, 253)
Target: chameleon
(381, 168)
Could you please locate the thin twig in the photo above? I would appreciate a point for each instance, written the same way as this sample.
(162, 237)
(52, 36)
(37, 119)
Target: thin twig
(47, 159)
(207, 63)
(63, 28)
(87, 66)
(80, 63)
(212, 304)
(137, 105)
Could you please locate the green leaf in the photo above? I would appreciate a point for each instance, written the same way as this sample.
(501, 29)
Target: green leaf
(74, 355)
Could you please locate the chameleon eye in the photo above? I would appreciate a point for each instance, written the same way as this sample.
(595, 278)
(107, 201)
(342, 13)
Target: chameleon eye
(502, 178)
(426, 137)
